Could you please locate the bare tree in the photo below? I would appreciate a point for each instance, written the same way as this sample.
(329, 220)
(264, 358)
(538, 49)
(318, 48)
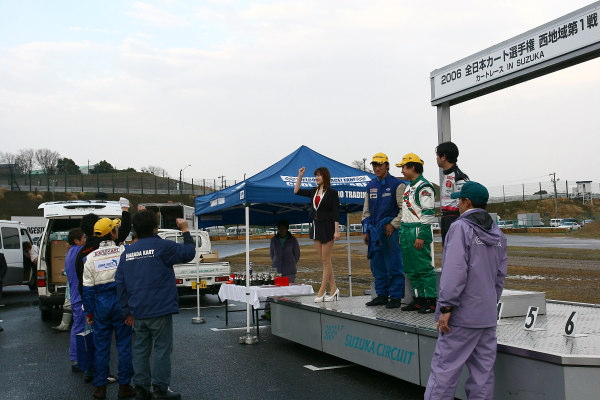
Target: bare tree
(25, 160)
(154, 170)
(47, 160)
(361, 164)
(7, 158)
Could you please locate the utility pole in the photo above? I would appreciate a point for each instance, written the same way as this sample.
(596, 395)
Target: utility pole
(181, 178)
(222, 177)
(553, 175)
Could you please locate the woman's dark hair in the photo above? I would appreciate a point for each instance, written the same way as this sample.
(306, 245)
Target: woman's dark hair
(87, 224)
(144, 223)
(418, 167)
(324, 172)
(448, 149)
(74, 234)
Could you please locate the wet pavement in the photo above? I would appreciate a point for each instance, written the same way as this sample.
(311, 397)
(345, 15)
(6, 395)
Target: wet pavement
(208, 362)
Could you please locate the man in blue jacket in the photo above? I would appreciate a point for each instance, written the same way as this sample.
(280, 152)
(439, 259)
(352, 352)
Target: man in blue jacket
(473, 271)
(148, 296)
(382, 212)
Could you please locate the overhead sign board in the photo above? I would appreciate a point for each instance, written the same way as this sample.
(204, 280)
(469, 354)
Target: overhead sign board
(539, 46)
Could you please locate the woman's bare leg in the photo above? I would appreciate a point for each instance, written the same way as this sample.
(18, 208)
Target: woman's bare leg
(323, 288)
(328, 278)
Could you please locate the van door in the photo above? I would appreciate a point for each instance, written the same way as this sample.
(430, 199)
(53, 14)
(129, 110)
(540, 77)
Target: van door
(13, 252)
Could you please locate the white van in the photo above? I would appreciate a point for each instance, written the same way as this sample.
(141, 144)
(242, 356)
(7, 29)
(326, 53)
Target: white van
(555, 222)
(356, 228)
(62, 216)
(296, 229)
(13, 234)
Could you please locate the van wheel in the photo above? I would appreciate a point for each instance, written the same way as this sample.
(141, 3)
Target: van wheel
(46, 314)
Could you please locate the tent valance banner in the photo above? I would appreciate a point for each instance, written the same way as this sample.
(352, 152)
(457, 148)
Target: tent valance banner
(270, 193)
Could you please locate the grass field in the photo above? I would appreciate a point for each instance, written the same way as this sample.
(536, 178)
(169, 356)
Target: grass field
(564, 274)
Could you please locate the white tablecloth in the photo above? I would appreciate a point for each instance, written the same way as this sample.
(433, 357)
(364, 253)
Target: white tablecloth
(238, 293)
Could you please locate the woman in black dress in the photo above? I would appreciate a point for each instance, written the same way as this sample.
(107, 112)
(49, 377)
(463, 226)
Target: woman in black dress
(324, 211)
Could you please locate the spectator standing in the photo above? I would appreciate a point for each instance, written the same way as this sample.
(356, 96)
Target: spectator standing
(76, 240)
(382, 213)
(285, 253)
(148, 298)
(30, 258)
(473, 271)
(416, 236)
(101, 305)
(454, 178)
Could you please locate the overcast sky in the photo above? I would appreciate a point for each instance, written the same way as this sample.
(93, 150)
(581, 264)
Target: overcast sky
(230, 86)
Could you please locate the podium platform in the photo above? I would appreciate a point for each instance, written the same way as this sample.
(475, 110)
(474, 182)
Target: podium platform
(538, 363)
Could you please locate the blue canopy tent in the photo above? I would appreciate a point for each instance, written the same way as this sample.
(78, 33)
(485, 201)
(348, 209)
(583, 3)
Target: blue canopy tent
(268, 197)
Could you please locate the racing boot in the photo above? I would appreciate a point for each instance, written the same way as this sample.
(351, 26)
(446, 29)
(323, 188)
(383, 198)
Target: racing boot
(100, 392)
(377, 301)
(126, 391)
(158, 393)
(428, 306)
(67, 317)
(394, 303)
(414, 305)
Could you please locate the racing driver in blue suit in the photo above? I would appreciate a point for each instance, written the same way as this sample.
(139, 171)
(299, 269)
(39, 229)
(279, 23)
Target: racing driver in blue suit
(101, 307)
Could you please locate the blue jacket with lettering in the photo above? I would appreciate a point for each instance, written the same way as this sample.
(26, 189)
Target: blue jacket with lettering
(383, 200)
(145, 277)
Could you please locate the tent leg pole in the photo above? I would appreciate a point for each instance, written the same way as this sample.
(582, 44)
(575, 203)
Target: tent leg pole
(349, 257)
(198, 319)
(249, 338)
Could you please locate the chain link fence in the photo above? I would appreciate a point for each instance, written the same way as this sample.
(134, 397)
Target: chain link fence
(544, 190)
(146, 183)
(120, 182)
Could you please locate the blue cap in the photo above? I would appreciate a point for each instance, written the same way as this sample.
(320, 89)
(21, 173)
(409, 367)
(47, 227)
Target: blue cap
(473, 191)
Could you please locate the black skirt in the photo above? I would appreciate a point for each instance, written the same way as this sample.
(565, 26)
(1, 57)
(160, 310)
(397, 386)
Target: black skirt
(322, 231)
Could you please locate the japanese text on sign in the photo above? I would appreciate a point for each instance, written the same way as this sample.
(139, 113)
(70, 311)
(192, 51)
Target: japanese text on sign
(541, 45)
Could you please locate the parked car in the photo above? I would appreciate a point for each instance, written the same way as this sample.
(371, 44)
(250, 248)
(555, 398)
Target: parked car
(555, 222)
(216, 231)
(587, 221)
(300, 228)
(356, 228)
(573, 226)
(13, 235)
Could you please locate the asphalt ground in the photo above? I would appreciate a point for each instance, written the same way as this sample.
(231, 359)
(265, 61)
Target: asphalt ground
(207, 363)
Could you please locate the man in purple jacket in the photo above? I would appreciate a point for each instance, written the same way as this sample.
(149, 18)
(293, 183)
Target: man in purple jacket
(76, 240)
(473, 271)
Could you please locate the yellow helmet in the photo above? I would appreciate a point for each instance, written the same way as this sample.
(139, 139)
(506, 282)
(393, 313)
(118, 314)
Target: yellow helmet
(410, 157)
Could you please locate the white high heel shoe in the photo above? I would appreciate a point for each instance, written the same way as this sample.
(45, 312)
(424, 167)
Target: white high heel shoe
(320, 299)
(334, 296)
